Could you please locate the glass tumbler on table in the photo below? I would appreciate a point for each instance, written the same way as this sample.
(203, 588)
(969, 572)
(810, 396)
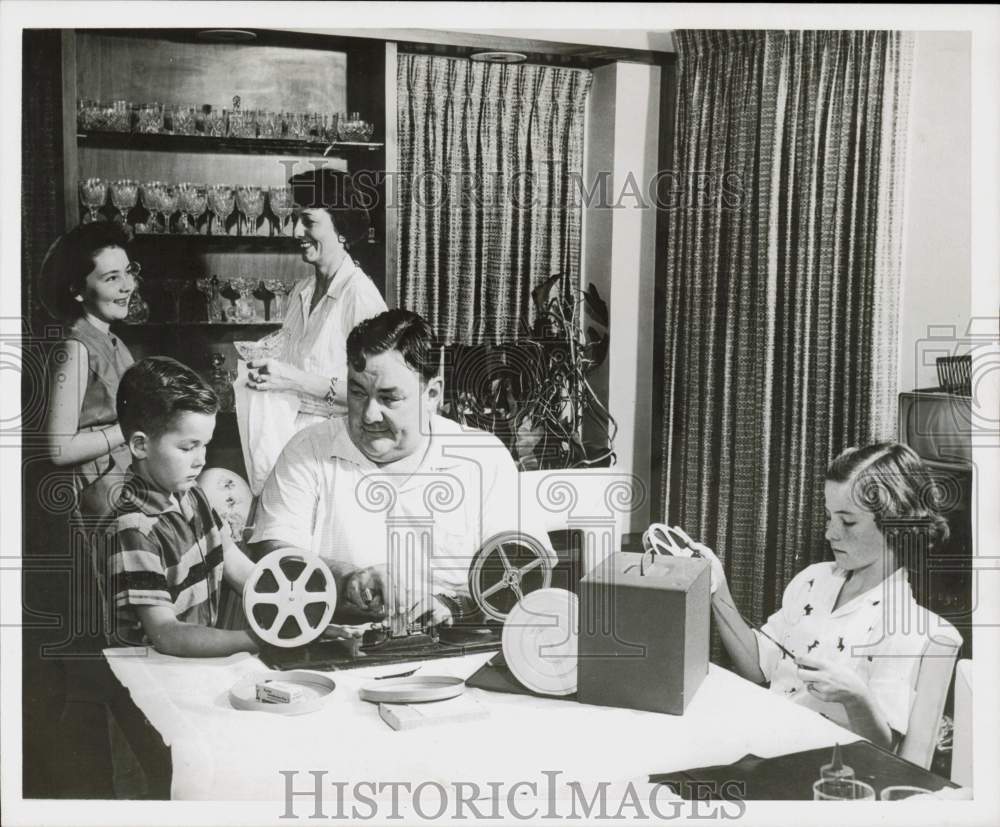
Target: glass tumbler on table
(842, 789)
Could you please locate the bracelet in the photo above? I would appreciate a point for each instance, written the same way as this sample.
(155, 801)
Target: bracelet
(331, 394)
(104, 433)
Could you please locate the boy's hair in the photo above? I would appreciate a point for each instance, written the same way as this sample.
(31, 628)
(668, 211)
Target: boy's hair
(155, 390)
(400, 330)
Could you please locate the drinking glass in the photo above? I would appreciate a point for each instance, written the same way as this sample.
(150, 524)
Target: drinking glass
(901, 793)
(221, 201)
(182, 119)
(93, 192)
(152, 192)
(86, 110)
(213, 302)
(282, 205)
(269, 126)
(842, 789)
(150, 118)
(250, 201)
(192, 201)
(169, 200)
(215, 123)
(124, 196)
(119, 117)
(280, 290)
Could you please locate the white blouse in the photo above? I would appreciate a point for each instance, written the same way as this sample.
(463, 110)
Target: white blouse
(881, 634)
(317, 342)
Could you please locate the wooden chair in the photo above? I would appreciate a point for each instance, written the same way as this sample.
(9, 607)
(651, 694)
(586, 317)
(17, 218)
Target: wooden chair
(931, 687)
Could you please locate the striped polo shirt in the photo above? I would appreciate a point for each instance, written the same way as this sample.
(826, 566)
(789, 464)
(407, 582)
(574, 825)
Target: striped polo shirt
(162, 550)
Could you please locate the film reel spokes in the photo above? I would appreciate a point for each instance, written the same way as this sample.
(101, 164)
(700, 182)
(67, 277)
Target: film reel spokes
(289, 598)
(507, 567)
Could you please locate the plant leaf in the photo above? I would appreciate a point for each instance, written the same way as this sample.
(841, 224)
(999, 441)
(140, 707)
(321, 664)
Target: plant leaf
(596, 306)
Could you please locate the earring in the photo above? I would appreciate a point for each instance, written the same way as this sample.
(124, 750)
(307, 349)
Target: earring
(341, 239)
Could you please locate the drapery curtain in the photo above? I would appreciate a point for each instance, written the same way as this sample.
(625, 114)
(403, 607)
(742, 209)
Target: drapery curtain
(490, 158)
(781, 286)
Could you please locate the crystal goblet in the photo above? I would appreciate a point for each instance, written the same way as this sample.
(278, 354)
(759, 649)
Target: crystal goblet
(282, 205)
(124, 196)
(93, 192)
(221, 202)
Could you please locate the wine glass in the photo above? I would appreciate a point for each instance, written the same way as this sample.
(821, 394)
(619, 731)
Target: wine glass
(93, 191)
(280, 290)
(282, 205)
(221, 202)
(124, 196)
(152, 197)
(250, 201)
(192, 199)
(169, 202)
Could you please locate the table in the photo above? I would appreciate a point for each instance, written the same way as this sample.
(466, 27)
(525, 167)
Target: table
(220, 753)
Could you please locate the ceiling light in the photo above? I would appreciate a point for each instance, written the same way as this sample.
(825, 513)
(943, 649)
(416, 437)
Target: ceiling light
(498, 57)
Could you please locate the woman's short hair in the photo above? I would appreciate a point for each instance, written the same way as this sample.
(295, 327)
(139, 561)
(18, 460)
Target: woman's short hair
(397, 329)
(70, 260)
(155, 390)
(895, 485)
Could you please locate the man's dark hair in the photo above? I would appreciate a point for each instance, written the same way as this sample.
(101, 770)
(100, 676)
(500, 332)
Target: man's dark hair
(400, 330)
(71, 259)
(155, 390)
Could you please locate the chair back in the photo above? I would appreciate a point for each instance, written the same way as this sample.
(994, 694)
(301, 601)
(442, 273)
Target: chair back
(933, 678)
(961, 750)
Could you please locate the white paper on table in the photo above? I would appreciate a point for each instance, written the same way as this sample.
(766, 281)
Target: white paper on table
(266, 421)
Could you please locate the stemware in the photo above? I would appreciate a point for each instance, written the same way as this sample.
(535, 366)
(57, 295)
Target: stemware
(93, 192)
(280, 290)
(282, 206)
(221, 202)
(169, 200)
(214, 311)
(266, 295)
(250, 201)
(124, 196)
(192, 199)
(152, 200)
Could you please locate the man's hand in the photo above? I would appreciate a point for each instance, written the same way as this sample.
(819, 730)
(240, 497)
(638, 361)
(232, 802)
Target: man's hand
(364, 592)
(350, 636)
(429, 611)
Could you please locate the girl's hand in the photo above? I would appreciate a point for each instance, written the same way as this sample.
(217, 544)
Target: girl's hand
(271, 375)
(829, 680)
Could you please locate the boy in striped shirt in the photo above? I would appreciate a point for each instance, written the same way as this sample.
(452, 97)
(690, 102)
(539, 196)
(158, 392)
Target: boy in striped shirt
(168, 551)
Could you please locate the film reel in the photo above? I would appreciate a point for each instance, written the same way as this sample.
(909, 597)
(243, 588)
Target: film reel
(505, 569)
(289, 598)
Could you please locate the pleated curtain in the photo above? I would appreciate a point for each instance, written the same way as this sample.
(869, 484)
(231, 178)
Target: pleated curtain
(490, 159)
(781, 291)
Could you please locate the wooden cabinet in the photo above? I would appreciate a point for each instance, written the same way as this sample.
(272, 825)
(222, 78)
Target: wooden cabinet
(274, 72)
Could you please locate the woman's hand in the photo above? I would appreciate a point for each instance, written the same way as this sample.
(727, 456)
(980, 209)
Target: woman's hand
(272, 375)
(829, 680)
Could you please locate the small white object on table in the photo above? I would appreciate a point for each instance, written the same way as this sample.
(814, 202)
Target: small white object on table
(220, 753)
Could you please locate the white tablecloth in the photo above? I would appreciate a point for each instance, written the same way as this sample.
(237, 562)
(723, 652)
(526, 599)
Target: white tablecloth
(220, 753)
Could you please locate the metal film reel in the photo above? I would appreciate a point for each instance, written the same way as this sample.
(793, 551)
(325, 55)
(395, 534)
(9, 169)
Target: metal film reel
(505, 569)
(289, 598)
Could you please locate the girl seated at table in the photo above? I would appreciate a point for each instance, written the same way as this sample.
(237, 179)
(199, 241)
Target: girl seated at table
(848, 637)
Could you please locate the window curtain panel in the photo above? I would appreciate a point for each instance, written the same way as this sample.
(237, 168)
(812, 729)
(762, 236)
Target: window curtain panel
(781, 287)
(490, 160)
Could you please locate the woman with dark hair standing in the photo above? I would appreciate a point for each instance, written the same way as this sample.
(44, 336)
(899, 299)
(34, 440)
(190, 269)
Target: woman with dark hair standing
(849, 635)
(89, 280)
(308, 375)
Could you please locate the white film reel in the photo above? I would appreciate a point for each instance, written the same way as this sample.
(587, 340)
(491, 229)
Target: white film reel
(508, 566)
(289, 598)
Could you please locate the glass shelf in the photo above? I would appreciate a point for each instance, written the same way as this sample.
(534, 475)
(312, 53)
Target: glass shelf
(168, 142)
(229, 242)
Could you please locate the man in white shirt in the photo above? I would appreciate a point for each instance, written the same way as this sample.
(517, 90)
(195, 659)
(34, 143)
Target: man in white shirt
(393, 477)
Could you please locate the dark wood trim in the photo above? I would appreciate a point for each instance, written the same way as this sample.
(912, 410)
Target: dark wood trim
(168, 142)
(668, 100)
(70, 168)
(572, 57)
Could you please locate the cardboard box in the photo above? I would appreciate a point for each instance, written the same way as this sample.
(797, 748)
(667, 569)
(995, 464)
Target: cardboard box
(644, 632)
